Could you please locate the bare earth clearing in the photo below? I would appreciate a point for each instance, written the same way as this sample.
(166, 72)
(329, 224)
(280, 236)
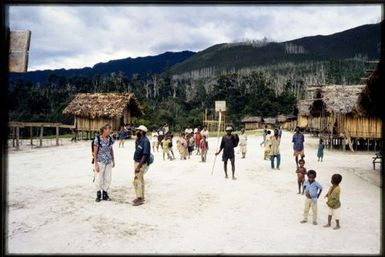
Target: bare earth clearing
(51, 207)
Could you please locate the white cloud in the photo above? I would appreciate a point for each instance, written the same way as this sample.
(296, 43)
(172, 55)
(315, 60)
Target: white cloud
(78, 36)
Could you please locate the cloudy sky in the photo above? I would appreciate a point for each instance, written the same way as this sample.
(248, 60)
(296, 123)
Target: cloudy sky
(79, 36)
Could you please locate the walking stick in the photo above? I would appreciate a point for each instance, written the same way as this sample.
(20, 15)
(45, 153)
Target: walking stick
(219, 127)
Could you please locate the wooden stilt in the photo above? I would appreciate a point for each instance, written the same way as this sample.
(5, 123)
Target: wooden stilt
(41, 136)
(57, 135)
(17, 138)
(368, 144)
(31, 135)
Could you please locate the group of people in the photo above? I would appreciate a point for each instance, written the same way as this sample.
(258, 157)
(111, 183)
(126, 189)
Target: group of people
(310, 188)
(187, 142)
(196, 139)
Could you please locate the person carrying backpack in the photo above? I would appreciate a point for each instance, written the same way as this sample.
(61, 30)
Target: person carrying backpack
(104, 162)
(229, 142)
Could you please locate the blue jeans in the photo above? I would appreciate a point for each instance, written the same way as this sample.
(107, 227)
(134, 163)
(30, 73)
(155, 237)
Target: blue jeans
(278, 156)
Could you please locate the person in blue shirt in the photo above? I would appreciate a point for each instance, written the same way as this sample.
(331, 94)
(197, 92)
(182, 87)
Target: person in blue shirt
(122, 136)
(298, 147)
(313, 190)
(279, 132)
(141, 159)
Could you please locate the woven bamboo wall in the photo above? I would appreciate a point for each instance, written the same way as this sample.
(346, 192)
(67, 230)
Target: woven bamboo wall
(289, 125)
(360, 127)
(85, 124)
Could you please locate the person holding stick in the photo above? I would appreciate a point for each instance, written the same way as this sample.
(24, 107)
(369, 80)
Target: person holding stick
(228, 143)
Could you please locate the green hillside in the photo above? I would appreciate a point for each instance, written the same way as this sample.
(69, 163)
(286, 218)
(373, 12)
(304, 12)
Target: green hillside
(364, 41)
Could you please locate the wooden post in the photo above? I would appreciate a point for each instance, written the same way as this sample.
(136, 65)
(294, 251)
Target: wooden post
(368, 144)
(13, 137)
(41, 135)
(31, 135)
(57, 135)
(17, 138)
(216, 149)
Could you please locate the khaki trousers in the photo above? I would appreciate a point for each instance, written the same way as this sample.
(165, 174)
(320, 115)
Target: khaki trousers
(139, 180)
(309, 203)
(103, 177)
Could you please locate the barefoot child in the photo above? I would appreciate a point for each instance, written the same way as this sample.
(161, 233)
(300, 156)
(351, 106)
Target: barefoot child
(320, 152)
(313, 190)
(204, 146)
(333, 201)
(301, 172)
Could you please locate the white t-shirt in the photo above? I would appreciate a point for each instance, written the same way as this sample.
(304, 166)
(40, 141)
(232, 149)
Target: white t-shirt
(154, 136)
(205, 133)
(243, 139)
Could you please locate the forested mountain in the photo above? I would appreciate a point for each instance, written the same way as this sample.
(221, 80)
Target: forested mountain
(364, 41)
(127, 66)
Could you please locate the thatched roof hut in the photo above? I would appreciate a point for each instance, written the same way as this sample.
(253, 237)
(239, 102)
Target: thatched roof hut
(269, 120)
(252, 122)
(370, 100)
(91, 111)
(291, 117)
(251, 119)
(303, 107)
(281, 118)
(334, 109)
(335, 99)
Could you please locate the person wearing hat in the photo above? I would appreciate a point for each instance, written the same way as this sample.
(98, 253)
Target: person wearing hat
(228, 143)
(141, 158)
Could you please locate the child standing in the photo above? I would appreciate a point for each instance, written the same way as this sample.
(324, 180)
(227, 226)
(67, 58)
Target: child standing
(171, 136)
(190, 144)
(313, 190)
(267, 146)
(320, 152)
(204, 146)
(198, 138)
(301, 172)
(166, 147)
(243, 143)
(182, 146)
(333, 201)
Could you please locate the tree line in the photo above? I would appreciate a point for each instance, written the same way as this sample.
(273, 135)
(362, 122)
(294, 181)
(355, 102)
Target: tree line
(182, 100)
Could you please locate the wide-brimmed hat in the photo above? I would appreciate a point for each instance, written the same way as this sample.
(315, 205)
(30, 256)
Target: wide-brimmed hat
(142, 128)
(229, 128)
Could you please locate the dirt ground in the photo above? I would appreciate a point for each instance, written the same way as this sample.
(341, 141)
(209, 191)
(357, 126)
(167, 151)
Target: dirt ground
(52, 208)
